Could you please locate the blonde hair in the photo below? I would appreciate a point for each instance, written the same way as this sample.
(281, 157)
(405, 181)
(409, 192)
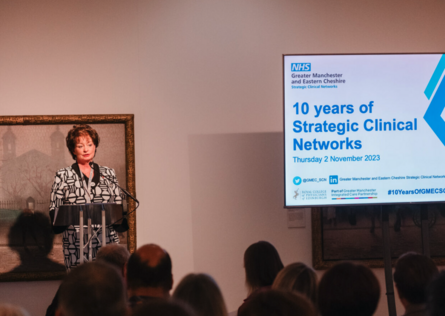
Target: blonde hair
(297, 277)
(12, 310)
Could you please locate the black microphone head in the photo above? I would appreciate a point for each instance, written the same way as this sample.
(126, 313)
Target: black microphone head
(123, 227)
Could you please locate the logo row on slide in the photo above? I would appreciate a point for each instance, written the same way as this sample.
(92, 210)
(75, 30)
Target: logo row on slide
(332, 180)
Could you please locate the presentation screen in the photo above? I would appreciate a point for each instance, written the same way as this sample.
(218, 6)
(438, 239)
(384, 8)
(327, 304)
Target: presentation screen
(364, 129)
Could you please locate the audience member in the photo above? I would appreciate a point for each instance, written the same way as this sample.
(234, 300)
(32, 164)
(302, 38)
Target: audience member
(348, 289)
(298, 277)
(278, 303)
(12, 310)
(201, 292)
(162, 308)
(149, 274)
(114, 254)
(412, 274)
(261, 264)
(92, 289)
(436, 295)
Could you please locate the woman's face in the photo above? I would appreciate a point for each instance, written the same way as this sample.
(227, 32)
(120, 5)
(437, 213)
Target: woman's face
(84, 150)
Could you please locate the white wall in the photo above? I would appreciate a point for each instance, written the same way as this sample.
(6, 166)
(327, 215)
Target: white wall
(203, 79)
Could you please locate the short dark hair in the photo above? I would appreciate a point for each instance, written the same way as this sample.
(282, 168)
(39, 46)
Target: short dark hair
(348, 289)
(114, 254)
(412, 274)
(162, 308)
(92, 289)
(277, 303)
(77, 131)
(262, 264)
(140, 274)
(435, 295)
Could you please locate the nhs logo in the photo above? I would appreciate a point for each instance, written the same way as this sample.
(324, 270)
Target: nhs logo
(300, 67)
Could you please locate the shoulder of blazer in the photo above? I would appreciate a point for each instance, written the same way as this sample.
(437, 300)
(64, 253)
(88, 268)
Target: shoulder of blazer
(66, 173)
(106, 171)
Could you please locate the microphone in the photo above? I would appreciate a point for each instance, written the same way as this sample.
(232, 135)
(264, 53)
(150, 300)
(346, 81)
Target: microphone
(123, 190)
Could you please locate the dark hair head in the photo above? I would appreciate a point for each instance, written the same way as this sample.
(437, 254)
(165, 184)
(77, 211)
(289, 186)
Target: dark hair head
(81, 130)
(114, 254)
(262, 264)
(201, 292)
(412, 274)
(92, 289)
(348, 289)
(435, 295)
(140, 274)
(298, 277)
(277, 303)
(163, 308)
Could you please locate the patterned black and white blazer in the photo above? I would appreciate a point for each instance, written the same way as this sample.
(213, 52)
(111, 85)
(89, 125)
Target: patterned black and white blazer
(68, 188)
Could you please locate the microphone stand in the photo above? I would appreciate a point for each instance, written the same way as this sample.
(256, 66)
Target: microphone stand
(123, 227)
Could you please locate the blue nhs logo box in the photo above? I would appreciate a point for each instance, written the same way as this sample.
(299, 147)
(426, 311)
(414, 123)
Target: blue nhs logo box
(300, 67)
(333, 179)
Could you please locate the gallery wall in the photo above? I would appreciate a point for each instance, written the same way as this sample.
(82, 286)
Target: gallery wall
(203, 79)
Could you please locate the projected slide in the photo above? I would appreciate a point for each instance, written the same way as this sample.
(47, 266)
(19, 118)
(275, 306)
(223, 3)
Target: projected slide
(364, 129)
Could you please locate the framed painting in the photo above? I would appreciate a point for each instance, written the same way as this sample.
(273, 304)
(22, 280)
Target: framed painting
(32, 149)
(354, 233)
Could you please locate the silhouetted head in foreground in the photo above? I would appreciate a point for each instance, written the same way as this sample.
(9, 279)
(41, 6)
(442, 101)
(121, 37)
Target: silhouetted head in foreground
(413, 272)
(435, 295)
(114, 254)
(92, 289)
(262, 264)
(201, 292)
(348, 289)
(298, 277)
(149, 272)
(163, 308)
(277, 303)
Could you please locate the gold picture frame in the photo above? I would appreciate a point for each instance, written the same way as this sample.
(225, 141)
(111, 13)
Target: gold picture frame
(127, 121)
(354, 233)
(318, 260)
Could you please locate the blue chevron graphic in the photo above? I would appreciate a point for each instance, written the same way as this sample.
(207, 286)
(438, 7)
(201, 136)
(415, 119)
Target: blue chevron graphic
(433, 113)
(435, 78)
